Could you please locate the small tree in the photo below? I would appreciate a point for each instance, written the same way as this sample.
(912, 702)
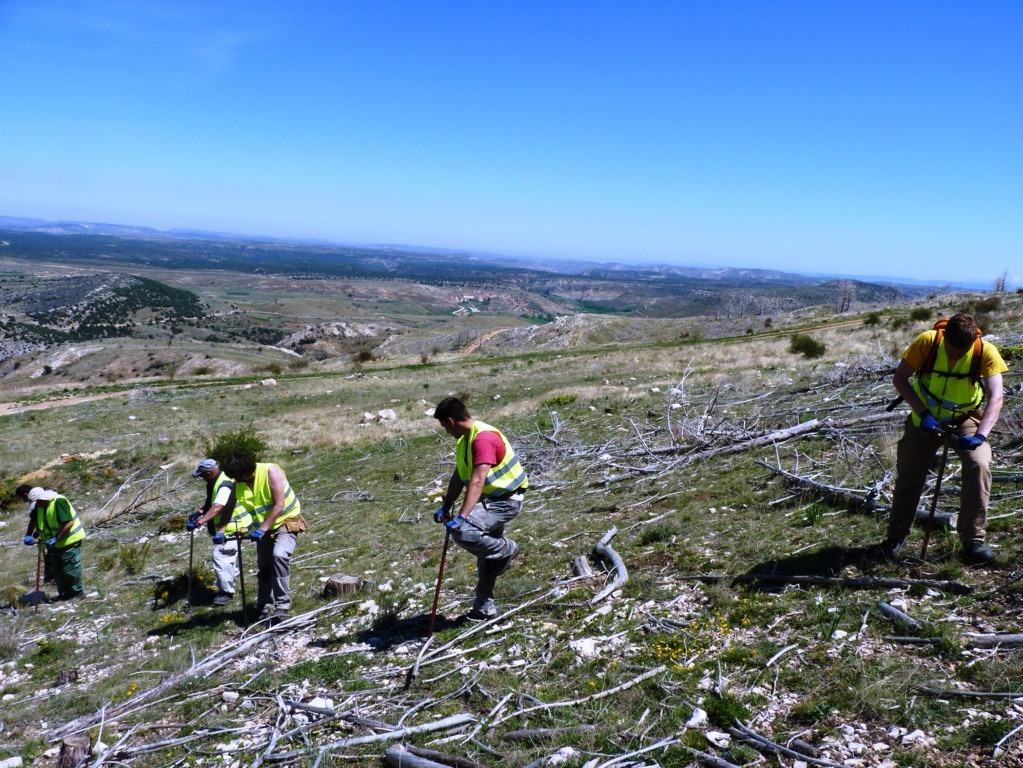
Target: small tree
(245, 440)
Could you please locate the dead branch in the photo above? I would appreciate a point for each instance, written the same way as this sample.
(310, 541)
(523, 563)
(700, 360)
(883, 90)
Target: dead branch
(575, 702)
(995, 641)
(603, 549)
(943, 693)
(536, 734)
(893, 613)
(872, 582)
(437, 758)
(762, 744)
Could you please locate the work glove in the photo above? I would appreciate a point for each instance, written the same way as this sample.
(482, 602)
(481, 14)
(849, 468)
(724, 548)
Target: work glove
(972, 442)
(51, 542)
(219, 538)
(194, 517)
(929, 425)
(29, 541)
(191, 525)
(454, 523)
(440, 516)
(257, 534)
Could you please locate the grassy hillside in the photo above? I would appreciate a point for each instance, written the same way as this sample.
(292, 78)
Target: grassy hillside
(665, 438)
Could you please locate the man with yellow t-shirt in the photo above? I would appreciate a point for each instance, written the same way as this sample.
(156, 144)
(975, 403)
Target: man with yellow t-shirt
(494, 481)
(264, 492)
(948, 391)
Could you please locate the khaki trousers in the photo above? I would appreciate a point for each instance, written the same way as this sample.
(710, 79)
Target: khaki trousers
(915, 456)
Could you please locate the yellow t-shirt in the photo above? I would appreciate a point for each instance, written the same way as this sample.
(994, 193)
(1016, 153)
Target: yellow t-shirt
(916, 353)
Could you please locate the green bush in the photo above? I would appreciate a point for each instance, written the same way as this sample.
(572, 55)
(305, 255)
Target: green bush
(559, 401)
(872, 319)
(921, 313)
(133, 556)
(807, 346)
(990, 304)
(245, 440)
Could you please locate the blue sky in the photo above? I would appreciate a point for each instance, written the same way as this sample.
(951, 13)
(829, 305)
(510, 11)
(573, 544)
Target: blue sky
(871, 138)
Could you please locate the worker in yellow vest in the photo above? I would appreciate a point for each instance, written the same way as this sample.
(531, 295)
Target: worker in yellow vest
(263, 490)
(22, 492)
(952, 381)
(493, 479)
(225, 520)
(60, 528)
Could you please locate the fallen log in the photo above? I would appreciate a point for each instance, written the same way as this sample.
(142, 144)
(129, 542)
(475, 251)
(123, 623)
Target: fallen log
(899, 617)
(603, 549)
(993, 641)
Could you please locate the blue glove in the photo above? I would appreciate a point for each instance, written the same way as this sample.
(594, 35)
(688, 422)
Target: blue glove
(440, 516)
(970, 443)
(257, 534)
(29, 541)
(929, 425)
(51, 542)
(219, 538)
(191, 525)
(194, 517)
(454, 523)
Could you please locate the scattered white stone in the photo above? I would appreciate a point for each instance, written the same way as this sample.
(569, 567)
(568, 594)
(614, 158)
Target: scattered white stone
(386, 586)
(9, 697)
(229, 697)
(496, 397)
(718, 739)
(839, 634)
(655, 389)
(675, 406)
(880, 746)
(15, 762)
(386, 415)
(605, 457)
(586, 647)
(697, 720)
(268, 382)
(131, 418)
(321, 703)
(563, 755)
(429, 411)
(367, 416)
(914, 736)
(857, 747)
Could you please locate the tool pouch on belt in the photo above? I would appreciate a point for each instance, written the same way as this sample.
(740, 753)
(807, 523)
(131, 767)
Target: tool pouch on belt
(296, 524)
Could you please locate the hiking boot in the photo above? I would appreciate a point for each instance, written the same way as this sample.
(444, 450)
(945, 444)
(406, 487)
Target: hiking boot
(477, 615)
(265, 612)
(223, 598)
(281, 614)
(500, 566)
(888, 550)
(977, 552)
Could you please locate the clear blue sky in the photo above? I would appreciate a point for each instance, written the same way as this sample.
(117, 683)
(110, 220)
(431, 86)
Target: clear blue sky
(876, 138)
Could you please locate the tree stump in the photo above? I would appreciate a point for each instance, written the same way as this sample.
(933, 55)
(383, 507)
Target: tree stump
(66, 676)
(343, 585)
(399, 476)
(74, 750)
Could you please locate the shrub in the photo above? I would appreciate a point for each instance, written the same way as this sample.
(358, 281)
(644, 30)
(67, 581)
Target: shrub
(558, 401)
(921, 313)
(872, 319)
(989, 304)
(202, 370)
(899, 322)
(245, 440)
(807, 346)
(133, 556)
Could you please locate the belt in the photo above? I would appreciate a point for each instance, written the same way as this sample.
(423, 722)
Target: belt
(506, 496)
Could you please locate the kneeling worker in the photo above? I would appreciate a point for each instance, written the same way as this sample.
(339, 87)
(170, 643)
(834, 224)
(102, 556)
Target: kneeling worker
(494, 481)
(263, 490)
(225, 518)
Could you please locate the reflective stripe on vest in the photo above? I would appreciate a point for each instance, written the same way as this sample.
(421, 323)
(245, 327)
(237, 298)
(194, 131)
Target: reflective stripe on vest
(240, 517)
(49, 525)
(259, 499)
(947, 391)
(502, 478)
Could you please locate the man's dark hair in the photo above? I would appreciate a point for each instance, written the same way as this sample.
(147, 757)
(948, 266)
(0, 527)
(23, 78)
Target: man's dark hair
(238, 465)
(961, 330)
(451, 408)
(22, 492)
